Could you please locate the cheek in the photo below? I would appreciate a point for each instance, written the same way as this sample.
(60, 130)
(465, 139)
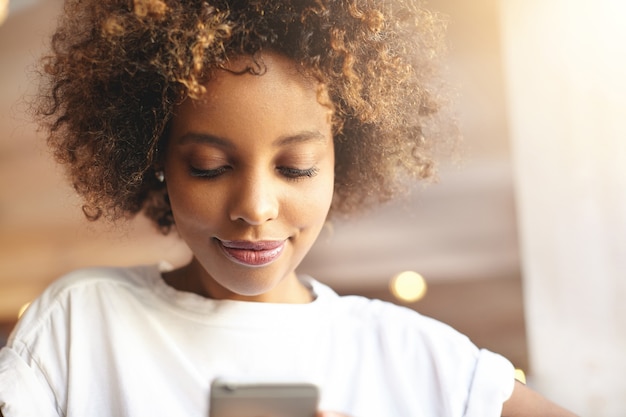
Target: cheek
(316, 201)
(193, 208)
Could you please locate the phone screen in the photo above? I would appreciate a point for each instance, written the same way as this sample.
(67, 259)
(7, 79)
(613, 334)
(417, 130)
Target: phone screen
(263, 399)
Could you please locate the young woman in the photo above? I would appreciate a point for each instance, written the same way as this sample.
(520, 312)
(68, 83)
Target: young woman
(241, 125)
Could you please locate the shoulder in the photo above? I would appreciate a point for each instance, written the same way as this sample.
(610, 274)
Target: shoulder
(137, 276)
(88, 290)
(383, 319)
(98, 280)
(419, 348)
(384, 313)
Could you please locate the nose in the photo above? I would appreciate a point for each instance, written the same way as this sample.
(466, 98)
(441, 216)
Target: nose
(255, 201)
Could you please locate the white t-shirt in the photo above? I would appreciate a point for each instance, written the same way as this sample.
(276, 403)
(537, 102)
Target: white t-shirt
(117, 342)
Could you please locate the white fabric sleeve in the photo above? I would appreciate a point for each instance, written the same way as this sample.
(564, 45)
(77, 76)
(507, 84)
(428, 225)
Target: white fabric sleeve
(21, 391)
(487, 398)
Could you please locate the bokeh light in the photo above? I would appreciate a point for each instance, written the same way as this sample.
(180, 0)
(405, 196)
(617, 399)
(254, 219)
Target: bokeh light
(4, 10)
(408, 286)
(22, 310)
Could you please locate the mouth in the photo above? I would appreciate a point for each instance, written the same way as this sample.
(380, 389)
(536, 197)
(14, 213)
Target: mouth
(249, 253)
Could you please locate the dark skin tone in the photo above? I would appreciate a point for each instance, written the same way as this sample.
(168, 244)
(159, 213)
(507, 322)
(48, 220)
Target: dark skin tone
(274, 201)
(247, 156)
(250, 164)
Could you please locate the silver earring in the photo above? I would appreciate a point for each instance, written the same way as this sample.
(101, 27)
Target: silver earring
(160, 176)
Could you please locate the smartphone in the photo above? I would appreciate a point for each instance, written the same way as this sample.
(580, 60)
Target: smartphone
(263, 399)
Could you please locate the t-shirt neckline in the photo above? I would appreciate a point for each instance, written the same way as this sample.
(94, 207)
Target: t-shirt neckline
(206, 309)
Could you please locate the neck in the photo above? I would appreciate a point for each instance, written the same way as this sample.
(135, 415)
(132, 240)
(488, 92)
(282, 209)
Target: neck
(193, 278)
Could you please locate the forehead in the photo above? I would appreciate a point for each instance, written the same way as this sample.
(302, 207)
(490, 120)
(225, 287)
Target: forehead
(250, 90)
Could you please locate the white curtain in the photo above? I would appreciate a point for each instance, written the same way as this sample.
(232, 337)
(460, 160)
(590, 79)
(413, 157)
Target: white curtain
(565, 65)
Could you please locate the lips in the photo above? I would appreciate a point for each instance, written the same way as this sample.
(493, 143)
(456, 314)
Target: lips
(248, 253)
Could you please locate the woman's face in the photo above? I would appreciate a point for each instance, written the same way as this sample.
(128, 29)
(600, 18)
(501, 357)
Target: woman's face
(249, 170)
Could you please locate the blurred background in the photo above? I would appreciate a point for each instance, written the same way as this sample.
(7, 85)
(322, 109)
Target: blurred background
(521, 244)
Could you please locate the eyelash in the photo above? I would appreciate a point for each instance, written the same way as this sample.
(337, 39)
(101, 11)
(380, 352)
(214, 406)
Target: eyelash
(295, 174)
(208, 173)
(292, 174)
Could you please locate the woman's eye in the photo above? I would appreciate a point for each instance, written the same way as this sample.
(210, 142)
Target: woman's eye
(208, 173)
(296, 173)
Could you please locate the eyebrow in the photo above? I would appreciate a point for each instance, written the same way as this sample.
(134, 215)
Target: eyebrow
(306, 136)
(206, 138)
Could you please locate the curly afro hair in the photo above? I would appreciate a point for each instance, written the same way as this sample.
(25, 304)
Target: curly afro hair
(118, 68)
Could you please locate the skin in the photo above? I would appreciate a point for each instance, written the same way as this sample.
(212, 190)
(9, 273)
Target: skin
(252, 161)
(527, 403)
